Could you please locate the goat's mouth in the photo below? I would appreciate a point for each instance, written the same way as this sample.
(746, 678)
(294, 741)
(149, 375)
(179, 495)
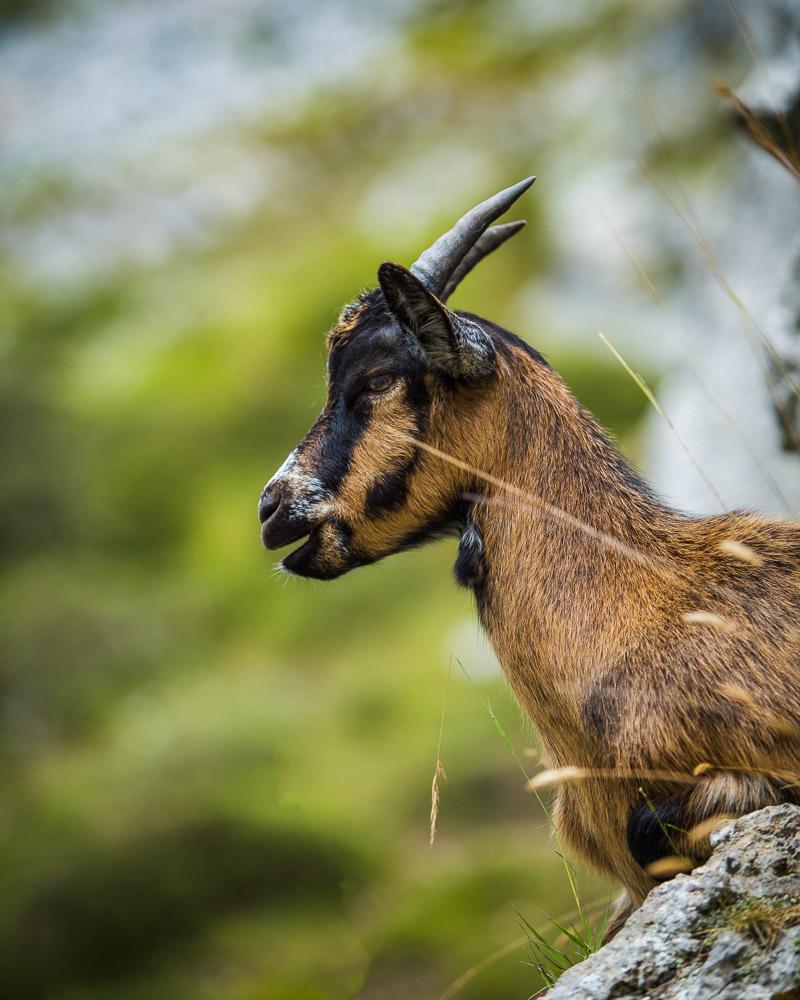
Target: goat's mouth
(300, 558)
(277, 533)
(281, 528)
(321, 555)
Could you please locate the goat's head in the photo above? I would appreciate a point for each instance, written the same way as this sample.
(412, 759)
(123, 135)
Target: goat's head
(404, 372)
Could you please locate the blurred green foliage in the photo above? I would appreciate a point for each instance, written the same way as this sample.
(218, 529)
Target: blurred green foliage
(217, 780)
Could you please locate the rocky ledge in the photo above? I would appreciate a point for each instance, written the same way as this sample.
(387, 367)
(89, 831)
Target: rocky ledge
(728, 931)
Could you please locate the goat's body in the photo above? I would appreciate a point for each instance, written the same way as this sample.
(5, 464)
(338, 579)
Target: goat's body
(639, 641)
(586, 581)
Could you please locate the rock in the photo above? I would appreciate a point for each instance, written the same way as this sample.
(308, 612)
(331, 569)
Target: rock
(729, 930)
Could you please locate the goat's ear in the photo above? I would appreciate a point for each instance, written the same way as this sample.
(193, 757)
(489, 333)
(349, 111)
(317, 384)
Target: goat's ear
(453, 344)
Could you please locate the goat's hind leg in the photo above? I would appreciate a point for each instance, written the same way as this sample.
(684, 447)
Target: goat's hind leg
(665, 827)
(656, 830)
(668, 827)
(618, 917)
(722, 794)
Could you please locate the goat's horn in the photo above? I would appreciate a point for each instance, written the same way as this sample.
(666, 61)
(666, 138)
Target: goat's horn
(435, 266)
(494, 237)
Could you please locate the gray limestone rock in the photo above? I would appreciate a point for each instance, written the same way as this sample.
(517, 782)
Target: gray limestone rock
(730, 930)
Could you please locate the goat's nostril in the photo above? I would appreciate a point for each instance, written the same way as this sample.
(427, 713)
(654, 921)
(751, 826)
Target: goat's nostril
(267, 506)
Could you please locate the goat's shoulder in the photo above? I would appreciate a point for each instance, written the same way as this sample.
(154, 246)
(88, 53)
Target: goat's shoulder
(738, 544)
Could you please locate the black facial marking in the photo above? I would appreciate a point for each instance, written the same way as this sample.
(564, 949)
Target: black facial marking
(375, 339)
(653, 828)
(469, 568)
(312, 561)
(346, 416)
(376, 344)
(389, 491)
(341, 435)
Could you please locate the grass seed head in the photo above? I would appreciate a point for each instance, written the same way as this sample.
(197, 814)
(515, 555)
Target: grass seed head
(708, 618)
(702, 831)
(740, 551)
(668, 866)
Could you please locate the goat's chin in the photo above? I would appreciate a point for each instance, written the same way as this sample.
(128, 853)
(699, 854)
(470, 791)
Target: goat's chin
(312, 561)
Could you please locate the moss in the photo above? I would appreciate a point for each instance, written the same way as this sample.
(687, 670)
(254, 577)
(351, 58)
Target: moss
(761, 920)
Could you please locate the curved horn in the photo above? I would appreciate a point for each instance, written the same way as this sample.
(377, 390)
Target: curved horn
(494, 237)
(435, 266)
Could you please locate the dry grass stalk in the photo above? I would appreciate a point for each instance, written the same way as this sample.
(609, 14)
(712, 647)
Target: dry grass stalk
(540, 505)
(556, 776)
(694, 231)
(747, 318)
(439, 771)
(759, 133)
(739, 551)
(533, 502)
(708, 618)
(650, 396)
(525, 499)
(702, 831)
(736, 693)
(437, 774)
(783, 727)
(559, 775)
(779, 114)
(791, 778)
(711, 397)
(668, 866)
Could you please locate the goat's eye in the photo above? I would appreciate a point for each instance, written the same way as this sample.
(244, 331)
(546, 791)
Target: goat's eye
(380, 383)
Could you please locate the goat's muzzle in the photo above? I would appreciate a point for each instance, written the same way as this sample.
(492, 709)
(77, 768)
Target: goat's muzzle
(280, 524)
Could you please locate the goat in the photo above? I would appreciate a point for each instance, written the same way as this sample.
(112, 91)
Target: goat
(640, 641)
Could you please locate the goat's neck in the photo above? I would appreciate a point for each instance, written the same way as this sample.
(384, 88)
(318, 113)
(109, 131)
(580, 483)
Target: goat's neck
(567, 548)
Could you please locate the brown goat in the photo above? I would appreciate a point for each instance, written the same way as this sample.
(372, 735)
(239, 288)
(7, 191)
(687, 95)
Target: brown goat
(639, 640)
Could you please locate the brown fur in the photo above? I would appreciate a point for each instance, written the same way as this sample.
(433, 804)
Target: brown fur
(582, 629)
(586, 582)
(347, 322)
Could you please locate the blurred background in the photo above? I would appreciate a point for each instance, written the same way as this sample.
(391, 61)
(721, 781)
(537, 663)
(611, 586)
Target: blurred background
(217, 782)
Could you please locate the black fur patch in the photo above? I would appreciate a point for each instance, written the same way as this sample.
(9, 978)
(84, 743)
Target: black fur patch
(389, 492)
(653, 829)
(375, 344)
(600, 710)
(340, 433)
(469, 568)
(449, 522)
